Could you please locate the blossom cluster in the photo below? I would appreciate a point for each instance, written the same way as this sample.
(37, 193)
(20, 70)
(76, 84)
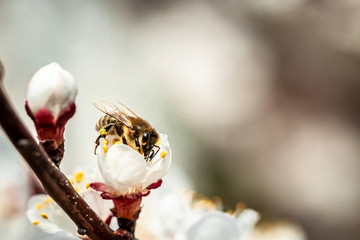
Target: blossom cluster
(124, 176)
(182, 215)
(174, 214)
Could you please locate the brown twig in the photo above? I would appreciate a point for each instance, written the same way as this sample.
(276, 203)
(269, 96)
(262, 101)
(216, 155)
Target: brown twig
(53, 180)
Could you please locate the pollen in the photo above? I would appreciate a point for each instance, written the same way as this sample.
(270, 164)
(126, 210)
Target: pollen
(79, 176)
(105, 145)
(117, 143)
(71, 180)
(35, 222)
(230, 212)
(102, 132)
(76, 189)
(39, 206)
(204, 203)
(48, 200)
(115, 140)
(88, 185)
(105, 148)
(44, 215)
(163, 154)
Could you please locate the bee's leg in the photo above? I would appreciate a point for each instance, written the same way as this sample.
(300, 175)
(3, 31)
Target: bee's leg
(118, 131)
(137, 144)
(158, 149)
(153, 153)
(124, 140)
(103, 133)
(97, 142)
(143, 150)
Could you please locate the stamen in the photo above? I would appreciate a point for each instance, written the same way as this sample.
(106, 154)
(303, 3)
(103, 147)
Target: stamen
(218, 202)
(115, 140)
(36, 223)
(150, 162)
(88, 185)
(76, 189)
(39, 206)
(49, 200)
(240, 206)
(79, 176)
(230, 212)
(117, 143)
(163, 154)
(71, 180)
(102, 132)
(205, 203)
(44, 215)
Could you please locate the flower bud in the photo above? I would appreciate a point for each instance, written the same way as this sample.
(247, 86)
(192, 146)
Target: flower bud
(50, 104)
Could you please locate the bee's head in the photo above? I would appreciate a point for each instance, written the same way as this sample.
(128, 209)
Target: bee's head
(149, 139)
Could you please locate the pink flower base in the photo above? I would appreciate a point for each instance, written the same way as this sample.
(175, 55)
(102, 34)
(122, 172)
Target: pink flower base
(50, 131)
(49, 128)
(126, 207)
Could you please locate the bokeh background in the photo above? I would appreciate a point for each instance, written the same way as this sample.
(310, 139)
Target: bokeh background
(260, 98)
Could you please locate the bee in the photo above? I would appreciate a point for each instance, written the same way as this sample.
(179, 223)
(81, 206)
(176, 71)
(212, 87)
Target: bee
(131, 129)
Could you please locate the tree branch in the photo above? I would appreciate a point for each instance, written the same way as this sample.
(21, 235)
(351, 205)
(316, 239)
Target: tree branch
(53, 180)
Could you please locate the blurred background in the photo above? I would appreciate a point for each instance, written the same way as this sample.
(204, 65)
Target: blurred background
(260, 99)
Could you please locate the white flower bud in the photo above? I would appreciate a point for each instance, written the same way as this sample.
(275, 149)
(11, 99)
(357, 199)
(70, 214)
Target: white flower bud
(51, 88)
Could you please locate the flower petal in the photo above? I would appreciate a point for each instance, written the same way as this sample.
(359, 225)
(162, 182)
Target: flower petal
(38, 207)
(82, 177)
(123, 168)
(62, 220)
(160, 166)
(62, 236)
(44, 213)
(100, 206)
(101, 187)
(214, 226)
(246, 221)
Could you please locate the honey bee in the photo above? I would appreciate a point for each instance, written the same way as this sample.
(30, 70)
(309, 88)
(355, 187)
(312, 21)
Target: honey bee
(131, 129)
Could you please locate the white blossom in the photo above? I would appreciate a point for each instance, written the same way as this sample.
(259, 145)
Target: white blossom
(170, 215)
(125, 170)
(43, 212)
(176, 214)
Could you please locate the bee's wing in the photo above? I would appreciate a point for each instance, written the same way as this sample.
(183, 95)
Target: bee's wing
(121, 107)
(118, 111)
